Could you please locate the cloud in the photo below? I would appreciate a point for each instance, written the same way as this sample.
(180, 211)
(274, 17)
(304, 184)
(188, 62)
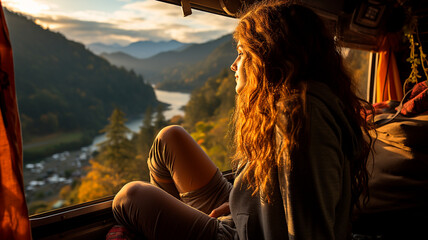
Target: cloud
(197, 27)
(92, 31)
(134, 21)
(201, 36)
(163, 12)
(31, 7)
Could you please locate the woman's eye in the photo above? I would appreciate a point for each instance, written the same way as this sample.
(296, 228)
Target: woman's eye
(240, 54)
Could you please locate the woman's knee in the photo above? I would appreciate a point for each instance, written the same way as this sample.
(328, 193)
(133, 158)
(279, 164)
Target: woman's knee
(161, 156)
(137, 204)
(134, 190)
(172, 132)
(130, 195)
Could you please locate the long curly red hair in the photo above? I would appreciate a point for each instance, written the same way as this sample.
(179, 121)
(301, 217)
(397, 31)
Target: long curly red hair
(286, 45)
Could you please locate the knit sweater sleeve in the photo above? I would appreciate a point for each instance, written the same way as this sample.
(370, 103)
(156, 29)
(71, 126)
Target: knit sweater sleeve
(312, 188)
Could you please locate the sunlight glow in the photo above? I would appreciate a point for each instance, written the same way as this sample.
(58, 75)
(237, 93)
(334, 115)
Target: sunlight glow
(30, 7)
(45, 25)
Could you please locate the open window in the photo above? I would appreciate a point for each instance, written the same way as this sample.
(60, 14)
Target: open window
(96, 83)
(79, 73)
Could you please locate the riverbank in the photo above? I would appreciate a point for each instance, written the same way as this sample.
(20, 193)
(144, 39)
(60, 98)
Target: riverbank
(41, 147)
(44, 180)
(45, 146)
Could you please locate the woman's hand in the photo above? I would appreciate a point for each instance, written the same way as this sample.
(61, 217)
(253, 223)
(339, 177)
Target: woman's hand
(220, 211)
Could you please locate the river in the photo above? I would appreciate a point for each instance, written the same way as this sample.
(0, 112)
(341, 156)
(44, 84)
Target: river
(176, 101)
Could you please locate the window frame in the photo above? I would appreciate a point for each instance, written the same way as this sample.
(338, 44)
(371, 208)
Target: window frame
(91, 220)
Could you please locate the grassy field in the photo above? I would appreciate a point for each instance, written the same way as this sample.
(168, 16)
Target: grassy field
(40, 147)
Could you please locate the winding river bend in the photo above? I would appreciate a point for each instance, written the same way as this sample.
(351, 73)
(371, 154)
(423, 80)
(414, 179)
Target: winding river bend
(176, 101)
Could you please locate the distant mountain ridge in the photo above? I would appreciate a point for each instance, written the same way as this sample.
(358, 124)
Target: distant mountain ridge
(140, 49)
(182, 70)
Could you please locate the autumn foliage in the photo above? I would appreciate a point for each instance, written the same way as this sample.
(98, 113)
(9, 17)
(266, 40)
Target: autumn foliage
(121, 158)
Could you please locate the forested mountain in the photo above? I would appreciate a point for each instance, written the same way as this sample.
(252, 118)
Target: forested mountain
(196, 75)
(208, 115)
(61, 86)
(182, 70)
(140, 49)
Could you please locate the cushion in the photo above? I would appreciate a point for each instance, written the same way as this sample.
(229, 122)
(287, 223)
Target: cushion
(119, 232)
(408, 133)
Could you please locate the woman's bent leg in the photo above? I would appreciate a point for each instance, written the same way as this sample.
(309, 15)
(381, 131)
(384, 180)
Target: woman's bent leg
(150, 211)
(179, 166)
(176, 155)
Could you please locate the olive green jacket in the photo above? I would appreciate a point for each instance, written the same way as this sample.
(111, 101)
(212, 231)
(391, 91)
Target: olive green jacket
(312, 199)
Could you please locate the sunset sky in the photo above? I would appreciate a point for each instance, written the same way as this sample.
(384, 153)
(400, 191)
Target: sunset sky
(122, 21)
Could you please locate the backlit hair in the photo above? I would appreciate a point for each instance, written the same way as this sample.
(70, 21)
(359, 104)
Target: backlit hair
(286, 45)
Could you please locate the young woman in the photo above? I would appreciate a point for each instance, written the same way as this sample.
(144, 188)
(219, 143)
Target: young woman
(300, 153)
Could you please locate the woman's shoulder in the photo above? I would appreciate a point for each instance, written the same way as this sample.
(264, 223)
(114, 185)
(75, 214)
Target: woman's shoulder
(321, 101)
(324, 106)
(320, 94)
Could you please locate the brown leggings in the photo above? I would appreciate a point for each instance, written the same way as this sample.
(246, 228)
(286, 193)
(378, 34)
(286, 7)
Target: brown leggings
(189, 186)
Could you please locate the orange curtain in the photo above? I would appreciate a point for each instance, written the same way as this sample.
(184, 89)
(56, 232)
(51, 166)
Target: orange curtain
(388, 84)
(14, 222)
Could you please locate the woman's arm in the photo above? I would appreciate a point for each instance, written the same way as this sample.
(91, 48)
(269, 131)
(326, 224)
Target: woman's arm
(222, 210)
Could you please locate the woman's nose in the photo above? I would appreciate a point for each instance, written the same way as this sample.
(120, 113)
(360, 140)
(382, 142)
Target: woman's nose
(233, 66)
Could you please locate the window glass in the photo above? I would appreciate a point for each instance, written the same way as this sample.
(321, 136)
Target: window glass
(96, 80)
(357, 62)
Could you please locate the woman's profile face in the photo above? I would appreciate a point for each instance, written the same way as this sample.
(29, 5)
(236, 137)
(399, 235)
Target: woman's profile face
(238, 68)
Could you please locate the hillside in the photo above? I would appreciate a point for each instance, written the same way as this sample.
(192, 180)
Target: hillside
(182, 70)
(208, 114)
(140, 49)
(63, 87)
(196, 75)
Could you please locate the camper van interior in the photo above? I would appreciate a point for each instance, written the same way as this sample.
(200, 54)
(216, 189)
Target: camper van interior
(387, 37)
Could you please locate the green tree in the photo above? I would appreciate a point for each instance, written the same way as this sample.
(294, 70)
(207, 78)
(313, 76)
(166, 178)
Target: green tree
(116, 164)
(145, 136)
(148, 118)
(144, 139)
(160, 121)
(116, 151)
